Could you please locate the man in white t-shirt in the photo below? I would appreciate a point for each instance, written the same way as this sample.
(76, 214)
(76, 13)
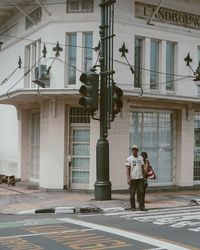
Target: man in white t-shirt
(134, 173)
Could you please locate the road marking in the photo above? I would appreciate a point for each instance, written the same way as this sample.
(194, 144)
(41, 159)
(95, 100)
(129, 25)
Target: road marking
(29, 222)
(153, 211)
(41, 234)
(128, 235)
(80, 239)
(19, 244)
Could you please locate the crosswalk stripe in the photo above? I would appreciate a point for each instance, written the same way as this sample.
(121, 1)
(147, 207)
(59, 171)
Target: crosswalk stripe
(156, 212)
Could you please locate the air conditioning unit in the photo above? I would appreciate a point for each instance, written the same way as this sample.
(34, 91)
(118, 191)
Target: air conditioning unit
(42, 78)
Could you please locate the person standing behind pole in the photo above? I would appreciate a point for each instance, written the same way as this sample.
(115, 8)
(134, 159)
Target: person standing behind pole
(134, 173)
(147, 172)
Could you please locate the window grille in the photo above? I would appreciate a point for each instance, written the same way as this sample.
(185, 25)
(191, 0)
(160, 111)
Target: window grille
(79, 6)
(78, 115)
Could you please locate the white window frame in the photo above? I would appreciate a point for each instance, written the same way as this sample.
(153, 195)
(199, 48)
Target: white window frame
(174, 68)
(32, 55)
(157, 85)
(141, 62)
(80, 57)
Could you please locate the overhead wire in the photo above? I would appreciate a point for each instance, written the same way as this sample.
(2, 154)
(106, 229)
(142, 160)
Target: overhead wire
(28, 71)
(131, 67)
(45, 42)
(92, 48)
(33, 4)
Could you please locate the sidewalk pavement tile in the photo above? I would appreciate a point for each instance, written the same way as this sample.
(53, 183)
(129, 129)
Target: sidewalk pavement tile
(16, 199)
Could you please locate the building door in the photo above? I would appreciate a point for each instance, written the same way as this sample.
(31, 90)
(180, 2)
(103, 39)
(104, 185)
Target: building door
(79, 167)
(34, 146)
(80, 157)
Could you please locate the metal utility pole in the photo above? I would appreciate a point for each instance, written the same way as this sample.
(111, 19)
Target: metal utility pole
(103, 184)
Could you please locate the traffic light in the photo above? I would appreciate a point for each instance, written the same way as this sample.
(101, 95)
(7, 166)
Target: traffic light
(89, 90)
(117, 103)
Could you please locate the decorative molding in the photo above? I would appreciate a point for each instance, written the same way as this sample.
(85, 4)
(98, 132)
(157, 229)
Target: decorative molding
(36, 16)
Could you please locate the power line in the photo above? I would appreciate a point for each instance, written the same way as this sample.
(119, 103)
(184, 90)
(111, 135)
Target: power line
(50, 43)
(157, 72)
(33, 4)
(24, 75)
(94, 48)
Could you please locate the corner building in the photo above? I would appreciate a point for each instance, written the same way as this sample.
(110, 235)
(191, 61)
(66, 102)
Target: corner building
(52, 140)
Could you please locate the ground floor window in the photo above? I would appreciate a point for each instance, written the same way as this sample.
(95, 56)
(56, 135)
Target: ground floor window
(196, 171)
(154, 132)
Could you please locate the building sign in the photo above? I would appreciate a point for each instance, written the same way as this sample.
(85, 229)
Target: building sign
(165, 15)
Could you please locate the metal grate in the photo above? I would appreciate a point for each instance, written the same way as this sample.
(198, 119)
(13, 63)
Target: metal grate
(79, 6)
(78, 115)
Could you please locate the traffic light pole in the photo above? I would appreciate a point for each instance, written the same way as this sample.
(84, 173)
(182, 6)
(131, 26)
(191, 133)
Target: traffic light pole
(103, 184)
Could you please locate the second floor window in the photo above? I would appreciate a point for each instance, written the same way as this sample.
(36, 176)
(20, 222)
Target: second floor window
(72, 45)
(88, 43)
(138, 62)
(154, 64)
(32, 55)
(79, 44)
(170, 47)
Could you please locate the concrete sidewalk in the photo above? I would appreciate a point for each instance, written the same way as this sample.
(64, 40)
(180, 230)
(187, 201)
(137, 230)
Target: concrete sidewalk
(18, 199)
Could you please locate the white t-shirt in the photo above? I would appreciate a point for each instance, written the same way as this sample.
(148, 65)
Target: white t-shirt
(135, 163)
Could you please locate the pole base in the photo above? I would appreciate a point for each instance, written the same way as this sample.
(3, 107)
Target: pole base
(102, 190)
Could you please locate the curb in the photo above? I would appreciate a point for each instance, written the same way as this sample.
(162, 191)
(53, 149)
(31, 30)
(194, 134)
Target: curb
(72, 210)
(87, 210)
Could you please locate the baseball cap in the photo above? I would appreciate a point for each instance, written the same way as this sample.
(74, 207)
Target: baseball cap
(134, 146)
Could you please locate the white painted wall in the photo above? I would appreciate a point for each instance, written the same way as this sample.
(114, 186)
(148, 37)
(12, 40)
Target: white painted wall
(8, 141)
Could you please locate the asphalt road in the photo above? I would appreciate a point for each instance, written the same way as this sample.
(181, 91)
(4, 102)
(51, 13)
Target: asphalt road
(159, 229)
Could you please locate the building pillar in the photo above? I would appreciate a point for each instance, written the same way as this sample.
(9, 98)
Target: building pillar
(185, 147)
(24, 144)
(52, 145)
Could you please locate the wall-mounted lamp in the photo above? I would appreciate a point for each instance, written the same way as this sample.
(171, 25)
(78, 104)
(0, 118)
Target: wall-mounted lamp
(196, 73)
(1, 43)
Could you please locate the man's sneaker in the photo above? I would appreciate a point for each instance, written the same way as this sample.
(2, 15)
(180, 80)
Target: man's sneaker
(133, 208)
(143, 209)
